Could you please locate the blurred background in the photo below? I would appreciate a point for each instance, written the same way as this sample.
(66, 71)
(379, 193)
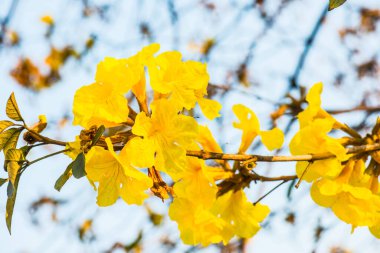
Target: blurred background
(260, 53)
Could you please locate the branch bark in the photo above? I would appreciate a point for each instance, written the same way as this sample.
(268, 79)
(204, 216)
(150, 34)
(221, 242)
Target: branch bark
(205, 155)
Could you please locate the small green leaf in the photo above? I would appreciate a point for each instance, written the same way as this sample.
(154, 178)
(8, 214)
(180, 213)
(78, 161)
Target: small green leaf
(11, 204)
(98, 134)
(12, 168)
(13, 161)
(79, 166)
(10, 189)
(25, 150)
(3, 181)
(9, 138)
(4, 124)
(15, 155)
(335, 4)
(12, 110)
(61, 181)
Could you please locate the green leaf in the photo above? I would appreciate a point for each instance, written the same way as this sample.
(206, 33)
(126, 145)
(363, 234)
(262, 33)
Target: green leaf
(9, 138)
(79, 166)
(12, 110)
(25, 150)
(13, 161)
(11, 204)
(98, 134)
(335, 4)
(12, 168)
(61, 181)
(4, 124)
(3, 181)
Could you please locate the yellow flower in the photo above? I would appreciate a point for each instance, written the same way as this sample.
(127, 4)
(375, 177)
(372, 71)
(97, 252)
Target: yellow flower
(47, 19)
(313, 139)
(314, 110)
(168, 133)
(197, 224)
(116, 176)
(184, 83)
(355, 205)
(120, 74)
(104, 102)
(250, 126)
(203, 218)
(99, 104)
(240, 214)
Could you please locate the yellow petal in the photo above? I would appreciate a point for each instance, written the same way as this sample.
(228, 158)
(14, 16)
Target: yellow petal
(108, 191)
(322, 168)
(139, 152)
(319, 197)
(375, 230)
(207, 140)
(314, 100)
(248, 123)
(143, 125)
(120, 74)
(210, 108)
(198, 225)
(272, 139)
(98, 104)
(242, 215)
(133, 191)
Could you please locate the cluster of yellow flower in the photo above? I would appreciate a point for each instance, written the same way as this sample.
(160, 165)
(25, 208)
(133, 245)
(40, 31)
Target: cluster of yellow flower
(341, 183)
(157, 138)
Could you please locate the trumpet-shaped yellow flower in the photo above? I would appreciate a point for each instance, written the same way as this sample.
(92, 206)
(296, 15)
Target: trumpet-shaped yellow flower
(197, 224)
(240, 214)
(104, 102)
(99, 104)
(203, 218)
(313, 139)
(184, 82)
(356, 205)
(194, 183)
(250, 126)
(168, 133)
(314, 110)
(123, 74)
(116, 176)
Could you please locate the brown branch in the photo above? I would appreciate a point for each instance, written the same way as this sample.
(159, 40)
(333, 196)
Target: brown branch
(44, 139)
(205, 155)
(5, 21)
(256, 177)
(356, 109)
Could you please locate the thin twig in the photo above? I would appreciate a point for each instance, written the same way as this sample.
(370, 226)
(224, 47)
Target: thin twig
(205, 155)
(266, 194)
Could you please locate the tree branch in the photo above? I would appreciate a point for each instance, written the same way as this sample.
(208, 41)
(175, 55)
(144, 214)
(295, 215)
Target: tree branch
(205, 155)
